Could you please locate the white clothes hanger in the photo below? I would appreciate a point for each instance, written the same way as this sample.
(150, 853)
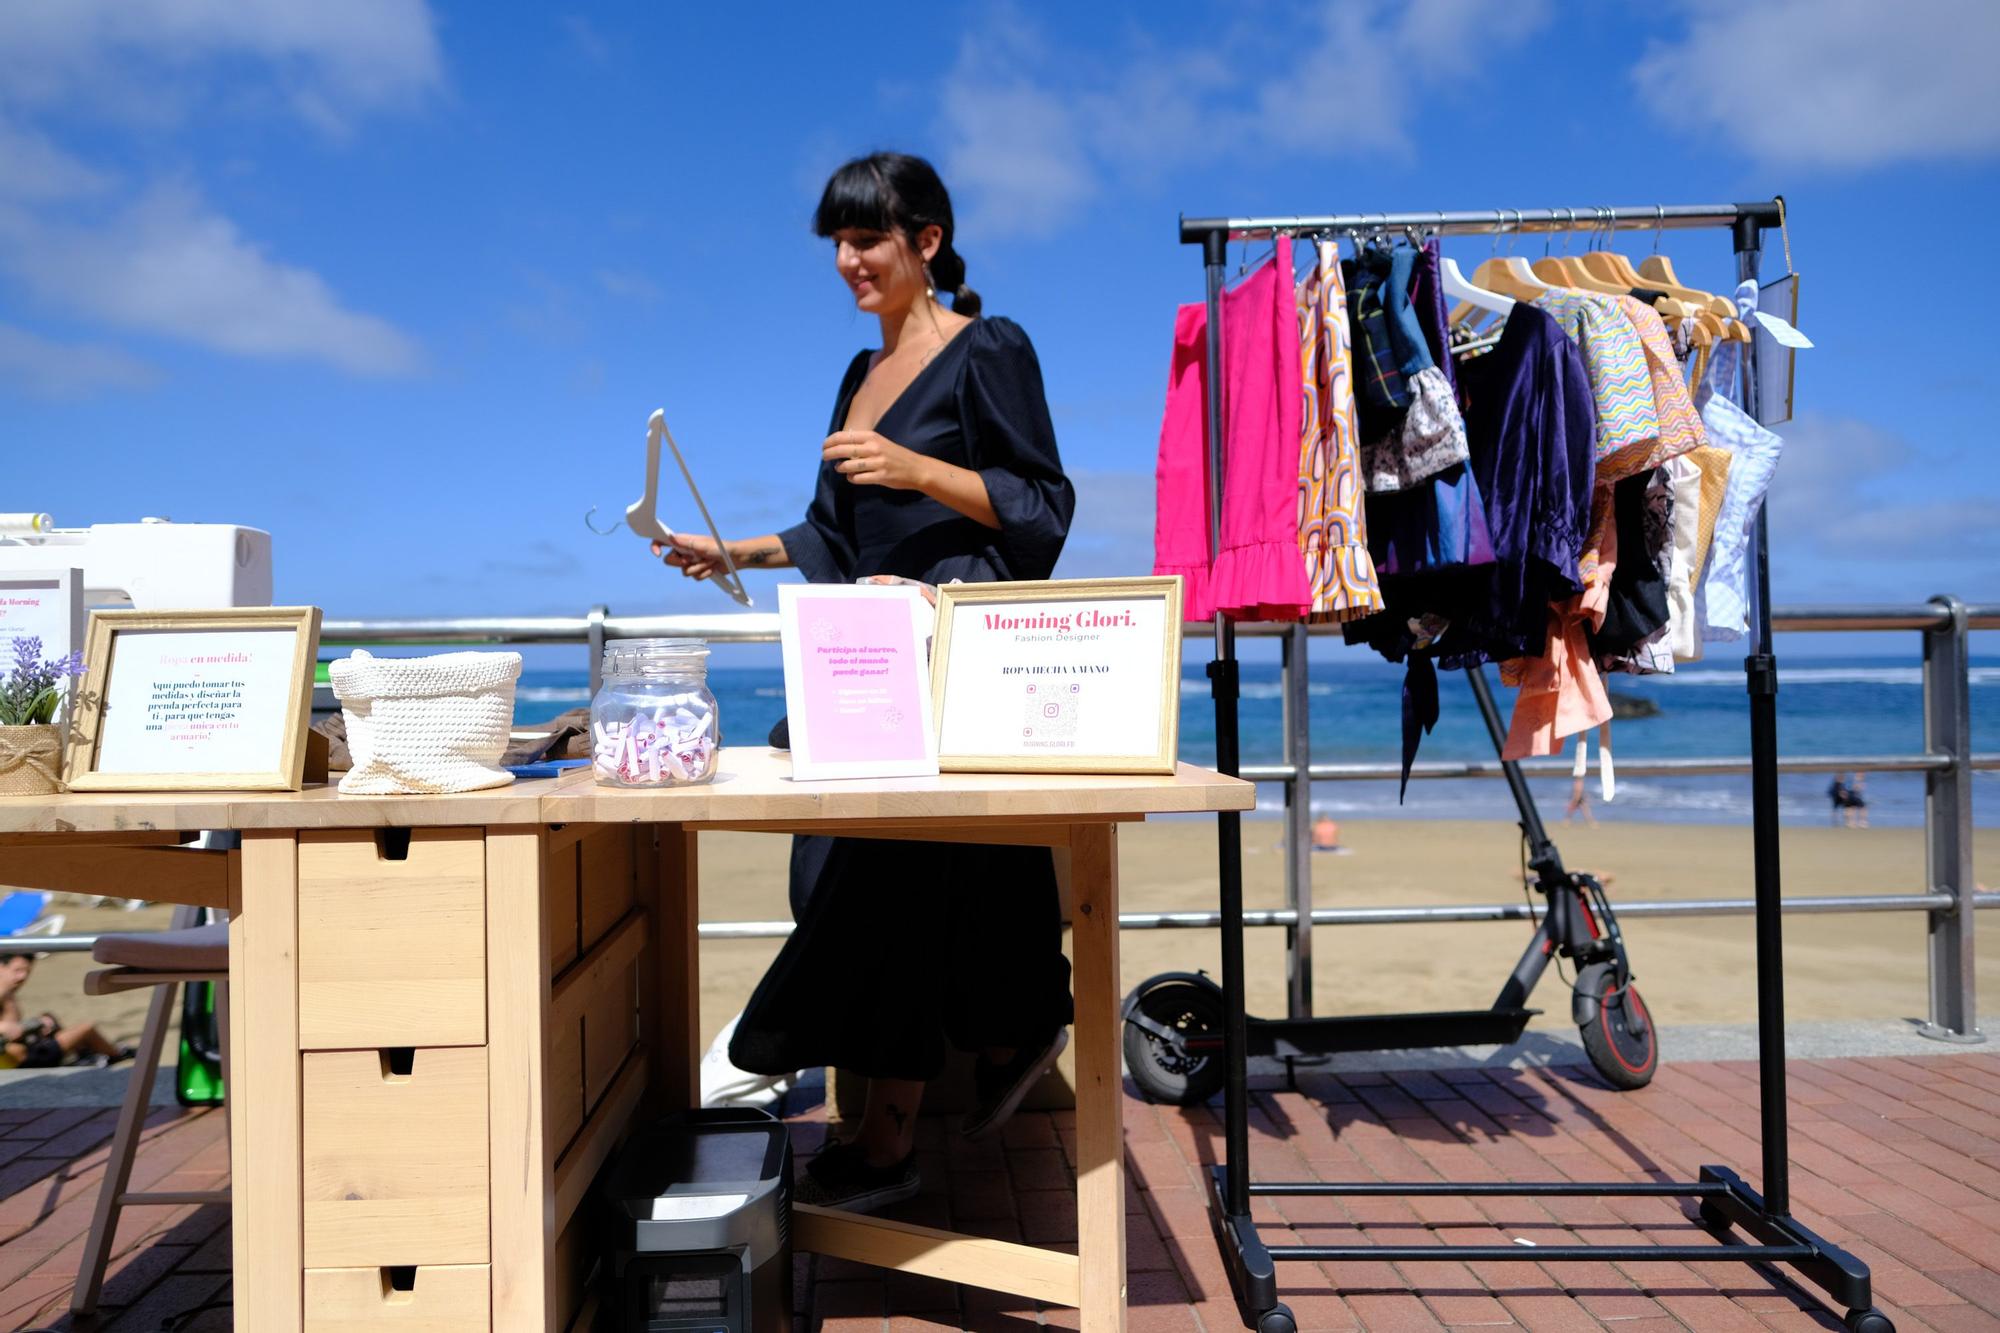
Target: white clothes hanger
(642, 516)
(1459, 288)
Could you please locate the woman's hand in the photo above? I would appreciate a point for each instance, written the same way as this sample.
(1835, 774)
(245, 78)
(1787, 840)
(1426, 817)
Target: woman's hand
(867, 459)
(695, 556)
(699, 557)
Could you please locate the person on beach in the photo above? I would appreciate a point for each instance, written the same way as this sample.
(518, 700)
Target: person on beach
(1857, 801)
(1579, 794)
(1326, 835)
(940, 464)
(44, 1041)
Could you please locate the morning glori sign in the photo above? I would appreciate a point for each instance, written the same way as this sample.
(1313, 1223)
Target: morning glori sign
(1064, 675)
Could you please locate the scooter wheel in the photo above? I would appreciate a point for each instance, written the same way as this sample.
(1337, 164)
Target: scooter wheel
(1164, 1071)
(1624, 1058)
(1277, 1319)
(1869, 1321)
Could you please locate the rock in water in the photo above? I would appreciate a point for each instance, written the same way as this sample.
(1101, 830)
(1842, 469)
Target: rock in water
(1632, 705)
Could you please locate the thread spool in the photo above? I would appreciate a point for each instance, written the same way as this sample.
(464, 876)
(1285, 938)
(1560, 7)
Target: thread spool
(26, 525)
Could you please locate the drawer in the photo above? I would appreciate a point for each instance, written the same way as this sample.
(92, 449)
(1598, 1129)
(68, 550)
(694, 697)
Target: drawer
(449, 1298)
(392, 938)
(395, 1154)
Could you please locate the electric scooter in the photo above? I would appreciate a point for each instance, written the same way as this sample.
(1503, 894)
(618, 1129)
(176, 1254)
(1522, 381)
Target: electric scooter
(1174, 1021)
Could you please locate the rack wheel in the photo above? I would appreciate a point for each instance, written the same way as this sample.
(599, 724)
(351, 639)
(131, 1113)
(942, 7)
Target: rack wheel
(1626, 1059)
(1870, 1320)
(1278, 1319)
(1712, 1217)
(1163, 1071)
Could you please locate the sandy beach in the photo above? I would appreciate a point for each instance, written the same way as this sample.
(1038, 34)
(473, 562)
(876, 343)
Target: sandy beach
(1692, 971)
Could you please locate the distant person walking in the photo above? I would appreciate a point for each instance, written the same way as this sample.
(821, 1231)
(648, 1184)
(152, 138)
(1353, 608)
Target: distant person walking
(1836, 792)
(1857, 801)
(1579, 794)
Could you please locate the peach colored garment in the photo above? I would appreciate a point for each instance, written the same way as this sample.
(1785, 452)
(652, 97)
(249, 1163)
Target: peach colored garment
(1561, 692)
(1680, 425)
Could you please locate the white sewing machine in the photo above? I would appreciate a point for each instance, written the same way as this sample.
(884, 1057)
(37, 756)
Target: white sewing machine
(154, 564)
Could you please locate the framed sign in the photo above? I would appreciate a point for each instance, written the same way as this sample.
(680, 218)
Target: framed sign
(194, 700)
(857, 680)
(41, 604)
(1062, 676)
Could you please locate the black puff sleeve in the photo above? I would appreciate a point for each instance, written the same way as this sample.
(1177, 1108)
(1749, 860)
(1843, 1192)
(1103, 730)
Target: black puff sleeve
(1012, 444)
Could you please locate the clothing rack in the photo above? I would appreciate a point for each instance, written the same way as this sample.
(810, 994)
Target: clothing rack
(1725, 1198)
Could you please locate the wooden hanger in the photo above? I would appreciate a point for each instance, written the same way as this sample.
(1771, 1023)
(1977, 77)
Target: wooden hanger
(1509, 275)
(1610, 268)
(1567, 271)
(1725, 310)
(1660, 269)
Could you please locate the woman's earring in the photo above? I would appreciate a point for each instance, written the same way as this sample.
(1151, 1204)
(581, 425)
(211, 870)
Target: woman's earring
(930, 283)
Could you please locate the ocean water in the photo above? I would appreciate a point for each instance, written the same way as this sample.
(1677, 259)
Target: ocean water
(1826, 706)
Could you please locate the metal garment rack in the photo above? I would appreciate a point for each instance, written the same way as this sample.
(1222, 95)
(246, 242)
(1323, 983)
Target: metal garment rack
(1725, 1198)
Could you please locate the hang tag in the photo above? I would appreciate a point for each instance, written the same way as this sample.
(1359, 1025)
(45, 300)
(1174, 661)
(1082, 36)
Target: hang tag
(1786, 335)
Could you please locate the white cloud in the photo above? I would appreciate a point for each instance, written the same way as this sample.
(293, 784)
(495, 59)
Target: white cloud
(154, 258)
(1833, 494)
(47, 369)
(31, 167)
(1033, 134)
(329, 61)
(169, 265)
(1832, 84)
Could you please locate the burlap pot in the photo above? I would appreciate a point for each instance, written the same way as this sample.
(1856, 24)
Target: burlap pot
(30, 760)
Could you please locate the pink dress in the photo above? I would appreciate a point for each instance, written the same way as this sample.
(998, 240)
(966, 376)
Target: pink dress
(1258, 572)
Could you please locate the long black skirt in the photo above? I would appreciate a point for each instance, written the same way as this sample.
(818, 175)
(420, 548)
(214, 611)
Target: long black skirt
(905, 950)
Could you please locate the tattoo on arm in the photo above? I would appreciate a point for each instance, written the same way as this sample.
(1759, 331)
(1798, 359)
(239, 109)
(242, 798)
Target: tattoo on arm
(900, 1116)
(758, 555)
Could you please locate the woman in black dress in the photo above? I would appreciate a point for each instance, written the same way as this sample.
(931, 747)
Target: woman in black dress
(941, 465)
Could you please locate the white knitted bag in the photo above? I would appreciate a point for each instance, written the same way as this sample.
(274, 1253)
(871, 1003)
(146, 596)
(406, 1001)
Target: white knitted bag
(422, 725)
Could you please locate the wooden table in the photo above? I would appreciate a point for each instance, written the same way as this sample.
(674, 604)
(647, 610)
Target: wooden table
(448, 1011)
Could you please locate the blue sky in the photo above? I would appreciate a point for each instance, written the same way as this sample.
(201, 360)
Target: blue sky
(401, 282)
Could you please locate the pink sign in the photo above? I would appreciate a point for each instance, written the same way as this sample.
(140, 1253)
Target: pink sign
(857, 681)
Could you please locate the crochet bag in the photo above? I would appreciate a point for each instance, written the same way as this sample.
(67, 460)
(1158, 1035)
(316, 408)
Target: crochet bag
(422, 725)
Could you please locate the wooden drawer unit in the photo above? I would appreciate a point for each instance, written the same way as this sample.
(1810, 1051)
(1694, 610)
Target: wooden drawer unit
(450, 1298)
(395, 1162)
(392, 938)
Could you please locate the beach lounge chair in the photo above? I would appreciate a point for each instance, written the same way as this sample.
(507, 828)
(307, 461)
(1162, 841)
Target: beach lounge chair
(21, 914)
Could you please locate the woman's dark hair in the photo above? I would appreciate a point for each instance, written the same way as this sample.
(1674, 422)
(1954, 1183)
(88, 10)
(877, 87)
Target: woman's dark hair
(896, 192)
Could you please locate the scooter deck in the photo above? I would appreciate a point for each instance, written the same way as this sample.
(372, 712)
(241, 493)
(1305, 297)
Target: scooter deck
(1308, 1038)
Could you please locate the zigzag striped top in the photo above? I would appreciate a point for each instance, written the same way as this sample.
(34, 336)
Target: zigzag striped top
(1680, 425)
(1614, 358)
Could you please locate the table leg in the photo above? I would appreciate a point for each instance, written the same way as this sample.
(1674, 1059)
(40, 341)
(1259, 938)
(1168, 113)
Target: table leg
(1100, 1160)
(670, 988)
(517, 989)
(266, 1166)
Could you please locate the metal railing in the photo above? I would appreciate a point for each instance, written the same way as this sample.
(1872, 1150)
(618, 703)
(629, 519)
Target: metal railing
(1947, 763)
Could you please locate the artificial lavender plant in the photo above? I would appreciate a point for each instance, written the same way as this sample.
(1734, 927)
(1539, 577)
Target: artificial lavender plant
(33, 690)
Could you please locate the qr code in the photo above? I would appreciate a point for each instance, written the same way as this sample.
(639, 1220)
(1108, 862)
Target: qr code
(1049, 714)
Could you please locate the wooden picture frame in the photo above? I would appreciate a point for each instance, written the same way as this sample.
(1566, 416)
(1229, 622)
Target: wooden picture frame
(286, 700)
(972, 680)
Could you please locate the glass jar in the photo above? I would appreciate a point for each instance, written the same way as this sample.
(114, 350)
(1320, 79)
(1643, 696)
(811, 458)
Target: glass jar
(653, 722)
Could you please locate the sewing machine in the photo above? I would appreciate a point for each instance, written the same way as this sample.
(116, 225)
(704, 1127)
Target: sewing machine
(153, 564)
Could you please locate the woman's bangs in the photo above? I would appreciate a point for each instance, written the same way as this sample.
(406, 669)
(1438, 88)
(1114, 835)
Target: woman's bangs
(857, 197)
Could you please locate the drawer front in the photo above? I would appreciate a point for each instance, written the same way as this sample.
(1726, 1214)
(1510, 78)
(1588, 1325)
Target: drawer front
(395, 1164)
(452, 1298)
(392, 946)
